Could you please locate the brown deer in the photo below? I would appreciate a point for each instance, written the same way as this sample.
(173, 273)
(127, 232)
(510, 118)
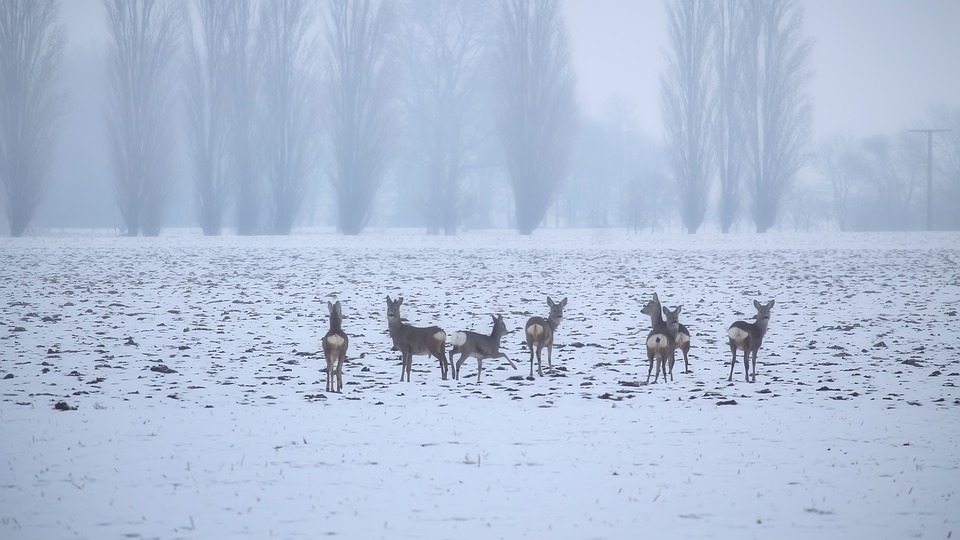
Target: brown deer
(748, 337)
(415, 341)
(683, 335)
(539, 332)
(335, 344)
(662, 344)
(479, 346)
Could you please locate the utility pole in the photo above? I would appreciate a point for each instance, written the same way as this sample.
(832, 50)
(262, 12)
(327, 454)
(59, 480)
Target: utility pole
(929, 133)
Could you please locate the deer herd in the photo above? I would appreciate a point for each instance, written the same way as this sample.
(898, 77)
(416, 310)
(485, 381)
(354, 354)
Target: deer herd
(665, 337)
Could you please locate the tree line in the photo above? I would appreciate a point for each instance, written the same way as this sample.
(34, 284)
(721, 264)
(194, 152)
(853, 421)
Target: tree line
(277, 94)
(460, 104)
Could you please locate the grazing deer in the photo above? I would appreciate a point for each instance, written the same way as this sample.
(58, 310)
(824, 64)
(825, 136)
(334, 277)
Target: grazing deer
(540, 331)
(748, 337)
(335, 344)
(479, 346)
(662, 344)
(414, 341)
(683, 335)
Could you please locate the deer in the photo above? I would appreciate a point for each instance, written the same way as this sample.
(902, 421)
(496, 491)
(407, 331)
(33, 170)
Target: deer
(748, 337)
(415, 341)
(652, 308)
(479, 346)
(335, 344)
(662, 344)
(539, 333)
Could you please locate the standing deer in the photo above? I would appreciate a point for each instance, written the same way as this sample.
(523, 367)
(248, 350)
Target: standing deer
(539, 332)
(748, 337)
(414, 341)
(479, 346)
(662, 344)
(335, 344)
(683, 335)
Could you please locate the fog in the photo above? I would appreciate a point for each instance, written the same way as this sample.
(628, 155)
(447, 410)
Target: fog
(877, 68)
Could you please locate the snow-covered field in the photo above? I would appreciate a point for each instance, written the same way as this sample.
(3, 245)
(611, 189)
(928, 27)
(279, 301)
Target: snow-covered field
(192, 366)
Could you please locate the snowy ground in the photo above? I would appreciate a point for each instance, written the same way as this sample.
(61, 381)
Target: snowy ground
(200, 410)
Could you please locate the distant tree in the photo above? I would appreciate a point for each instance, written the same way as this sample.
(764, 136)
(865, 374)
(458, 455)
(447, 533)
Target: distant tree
(896, 171)
(777, 107)
(360, 110)
(288, 125)
(143, 36)
(536, 109)
(947, 162)
(687, 105)
(838, 159)
(729, 39)
(208, 109)
(444, 42)
(31, 49)
(243, 162)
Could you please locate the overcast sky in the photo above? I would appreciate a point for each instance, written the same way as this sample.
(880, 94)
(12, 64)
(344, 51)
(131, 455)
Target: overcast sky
(878, 63)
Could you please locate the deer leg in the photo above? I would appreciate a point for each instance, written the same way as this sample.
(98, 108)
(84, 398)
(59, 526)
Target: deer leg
(673, 359)
(540, 361)
(343, 358)
(504, 355)
(650, 369)
(746, 364)
(456, 370)
(479, 368)
(755, 364)
(550, 355)
(531, 361)
(686, 352)
(733, 361)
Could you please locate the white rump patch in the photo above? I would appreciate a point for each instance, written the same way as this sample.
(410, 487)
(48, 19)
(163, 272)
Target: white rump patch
(682, 339)
(459, 338)
(535, 331)
(737, 335)
(335, 341)
(657, 341)
(440, 336)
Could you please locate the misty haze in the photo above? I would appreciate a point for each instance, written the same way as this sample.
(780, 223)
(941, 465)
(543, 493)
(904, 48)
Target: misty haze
(479, 268)
(642, 115)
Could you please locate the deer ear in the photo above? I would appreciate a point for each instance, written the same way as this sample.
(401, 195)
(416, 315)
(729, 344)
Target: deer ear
(756, 304)
(388, 299)
(770, 305)
(563, 303)
(549, 302)
(338, 306)
(399, 301)
(494, 317)
(329, 306)
(665, 310)
(680, 307)
(656, 298)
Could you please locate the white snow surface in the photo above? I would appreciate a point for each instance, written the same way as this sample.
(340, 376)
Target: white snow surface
(850, 431)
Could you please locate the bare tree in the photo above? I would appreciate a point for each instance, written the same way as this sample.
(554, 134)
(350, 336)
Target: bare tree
(729, 35)
(31, 48)
(778, 112)
(838, 160)
(536, 110)
(687, 105)
(208, 109)
(243, 162)
(443, 43)
(289, 116)
(361, 115)
(143, 46)
(947, 157)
